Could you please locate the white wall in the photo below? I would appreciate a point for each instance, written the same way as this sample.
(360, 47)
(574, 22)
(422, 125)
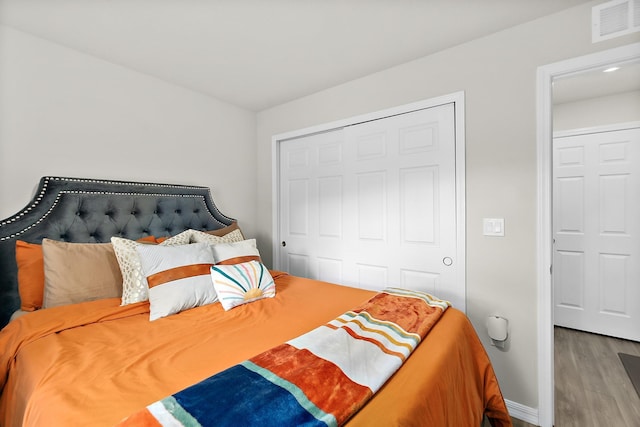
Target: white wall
(498, 75)
(600, 111)
(66, 113)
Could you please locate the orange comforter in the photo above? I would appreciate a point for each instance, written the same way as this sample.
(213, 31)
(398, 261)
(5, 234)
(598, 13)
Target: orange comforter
(95, 363)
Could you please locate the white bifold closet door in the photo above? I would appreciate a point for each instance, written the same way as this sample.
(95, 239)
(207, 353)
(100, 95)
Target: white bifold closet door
(373, 204)
(596, 222)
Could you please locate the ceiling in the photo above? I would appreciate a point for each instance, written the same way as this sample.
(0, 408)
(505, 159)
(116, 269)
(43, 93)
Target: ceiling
(260, 53)
(596, 83)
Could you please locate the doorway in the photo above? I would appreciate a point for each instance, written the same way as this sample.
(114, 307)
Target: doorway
(547, 75)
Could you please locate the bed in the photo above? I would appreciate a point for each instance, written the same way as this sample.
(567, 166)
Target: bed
(96, 360)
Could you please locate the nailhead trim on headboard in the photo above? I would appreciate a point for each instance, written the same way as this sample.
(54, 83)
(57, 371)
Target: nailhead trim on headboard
(38, 221)
(30, 207)
(45, 184)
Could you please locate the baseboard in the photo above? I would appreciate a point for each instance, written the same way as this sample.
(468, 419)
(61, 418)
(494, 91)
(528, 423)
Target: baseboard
(521, 412)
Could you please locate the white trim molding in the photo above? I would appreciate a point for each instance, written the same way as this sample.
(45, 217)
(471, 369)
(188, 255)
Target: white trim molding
(596, 129)
(521, 412)
(546, 74)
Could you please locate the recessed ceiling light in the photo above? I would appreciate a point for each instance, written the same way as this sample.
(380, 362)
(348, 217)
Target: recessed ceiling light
(609, 70)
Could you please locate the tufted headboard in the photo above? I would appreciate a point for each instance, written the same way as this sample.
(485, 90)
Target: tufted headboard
(92, 211)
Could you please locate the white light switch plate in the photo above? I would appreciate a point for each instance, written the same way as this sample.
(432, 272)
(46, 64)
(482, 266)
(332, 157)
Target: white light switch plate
(493, 226)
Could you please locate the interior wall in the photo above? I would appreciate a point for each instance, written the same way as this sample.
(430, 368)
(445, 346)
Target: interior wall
(66, 113)
(498, 75)
(600, 111)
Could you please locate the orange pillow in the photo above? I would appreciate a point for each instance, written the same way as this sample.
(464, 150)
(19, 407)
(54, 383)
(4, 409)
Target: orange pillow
(30, 275)
(148, 239)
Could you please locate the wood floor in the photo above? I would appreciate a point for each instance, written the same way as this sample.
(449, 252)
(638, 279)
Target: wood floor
(592, 388)
(591, 385)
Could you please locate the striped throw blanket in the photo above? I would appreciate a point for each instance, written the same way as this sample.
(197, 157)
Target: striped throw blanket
(320, 378)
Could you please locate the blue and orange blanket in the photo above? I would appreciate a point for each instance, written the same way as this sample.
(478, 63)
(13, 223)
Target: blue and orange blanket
(320, 378)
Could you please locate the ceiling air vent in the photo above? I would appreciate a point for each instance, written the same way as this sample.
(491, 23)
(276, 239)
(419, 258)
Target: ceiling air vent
(615, 18)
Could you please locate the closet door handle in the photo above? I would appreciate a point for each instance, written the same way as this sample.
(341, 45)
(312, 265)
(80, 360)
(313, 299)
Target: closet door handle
(283, 243)
(447, 261)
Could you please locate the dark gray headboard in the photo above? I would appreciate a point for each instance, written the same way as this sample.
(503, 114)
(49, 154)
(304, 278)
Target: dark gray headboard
(92, 211)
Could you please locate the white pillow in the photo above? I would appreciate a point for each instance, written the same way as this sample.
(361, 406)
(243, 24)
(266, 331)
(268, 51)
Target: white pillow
(178, 277)
(236, 252)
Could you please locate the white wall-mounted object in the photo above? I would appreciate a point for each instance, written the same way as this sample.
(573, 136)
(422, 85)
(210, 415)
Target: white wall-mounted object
(614, 19)
(493, 227)
(497, 328)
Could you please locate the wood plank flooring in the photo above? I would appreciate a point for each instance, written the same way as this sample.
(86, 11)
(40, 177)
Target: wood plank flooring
(591, 385)
(592, 388)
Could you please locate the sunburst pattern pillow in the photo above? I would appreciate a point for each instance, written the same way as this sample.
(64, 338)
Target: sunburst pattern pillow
(242, 283)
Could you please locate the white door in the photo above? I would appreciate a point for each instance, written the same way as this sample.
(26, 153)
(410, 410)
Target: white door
(596, 222)
(374, 204)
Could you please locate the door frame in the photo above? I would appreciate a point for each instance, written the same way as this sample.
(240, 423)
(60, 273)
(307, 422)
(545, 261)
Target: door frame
(544, 235)
(596, 129)
(457, 98)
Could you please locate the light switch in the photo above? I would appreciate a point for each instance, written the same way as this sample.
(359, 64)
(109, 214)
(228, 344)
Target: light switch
(493, 226)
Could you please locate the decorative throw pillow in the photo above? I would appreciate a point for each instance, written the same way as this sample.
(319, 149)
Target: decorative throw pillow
(205, 237)
(183, 238)
(236, 252)
(30, 275)
(178, 277)
(78, 272)
(243, 283)
(230, 232)
(134, 284)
